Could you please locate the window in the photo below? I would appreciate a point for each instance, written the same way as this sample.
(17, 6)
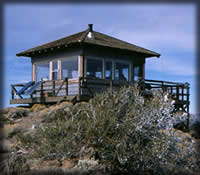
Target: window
(54, 70)
(121, 71)
(70, 68)
(94, 68)
(137, 73)
(108, 70)
(42, 71)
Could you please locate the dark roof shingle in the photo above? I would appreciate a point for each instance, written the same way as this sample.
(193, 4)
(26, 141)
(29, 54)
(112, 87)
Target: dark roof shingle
(99, 39)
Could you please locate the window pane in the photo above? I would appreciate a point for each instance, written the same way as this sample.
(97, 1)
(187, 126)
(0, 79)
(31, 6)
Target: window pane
(42, 71)
(55, 66)
(94, 68)
(54, 75)
(55, 70)
(108, 70)
(121, 71)
(70, 68)
(137, 74)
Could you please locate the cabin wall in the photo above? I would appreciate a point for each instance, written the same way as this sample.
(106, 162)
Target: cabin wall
(55, 56)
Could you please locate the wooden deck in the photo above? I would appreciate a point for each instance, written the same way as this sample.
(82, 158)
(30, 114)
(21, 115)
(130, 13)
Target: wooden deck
(84, 88)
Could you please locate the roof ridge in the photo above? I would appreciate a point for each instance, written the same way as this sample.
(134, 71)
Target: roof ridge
(84, 35)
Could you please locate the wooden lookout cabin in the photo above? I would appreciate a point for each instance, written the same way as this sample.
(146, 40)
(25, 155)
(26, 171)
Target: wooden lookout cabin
(80, 65)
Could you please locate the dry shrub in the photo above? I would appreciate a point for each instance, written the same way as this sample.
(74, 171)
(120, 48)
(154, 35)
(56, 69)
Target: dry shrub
(125, 132)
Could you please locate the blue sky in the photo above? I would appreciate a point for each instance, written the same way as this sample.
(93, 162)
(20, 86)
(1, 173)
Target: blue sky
(167, 29)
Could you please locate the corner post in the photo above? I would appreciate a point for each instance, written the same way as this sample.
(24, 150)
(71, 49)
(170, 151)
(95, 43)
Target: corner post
(33, 72)
(80, 66)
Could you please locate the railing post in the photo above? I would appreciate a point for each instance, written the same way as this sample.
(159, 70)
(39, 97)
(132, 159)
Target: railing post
(188, 114)
(12, 93)
(111, 84)
(79, 87)
(182, 92)
(54, 87)
(41, 91)
(177, 93)
(66, 86)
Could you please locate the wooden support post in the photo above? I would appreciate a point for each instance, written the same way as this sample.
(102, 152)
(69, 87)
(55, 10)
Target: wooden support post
(143, 70)
(41, 92)
(177, 93)
(12, 93)
(66, 86)
(79, 88)
(54, 87)
(181, 98)
(188, 113)
(111, 84)
(33, 72)
(81, 66)
(162, 86)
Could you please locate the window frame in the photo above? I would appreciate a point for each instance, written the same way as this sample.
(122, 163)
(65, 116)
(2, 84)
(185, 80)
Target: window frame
(52, 71)
(129, 67)
(106, 60)
(114, 61)
(141, 71)
(94, 58)
(69, 59)
(34, 67)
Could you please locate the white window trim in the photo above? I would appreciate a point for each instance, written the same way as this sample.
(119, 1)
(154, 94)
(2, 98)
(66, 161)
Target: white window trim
(51, 69)
(33, 72)
(59, 70)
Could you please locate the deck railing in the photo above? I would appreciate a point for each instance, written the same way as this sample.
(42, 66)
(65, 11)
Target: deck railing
(54, 91)
(84, 86)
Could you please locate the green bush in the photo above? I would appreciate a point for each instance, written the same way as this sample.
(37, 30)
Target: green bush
(127, 134)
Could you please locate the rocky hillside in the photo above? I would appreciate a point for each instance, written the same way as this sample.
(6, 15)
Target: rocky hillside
(116, 132)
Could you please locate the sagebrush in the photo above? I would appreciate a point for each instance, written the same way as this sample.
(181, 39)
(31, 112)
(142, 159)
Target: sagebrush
(124, 131)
